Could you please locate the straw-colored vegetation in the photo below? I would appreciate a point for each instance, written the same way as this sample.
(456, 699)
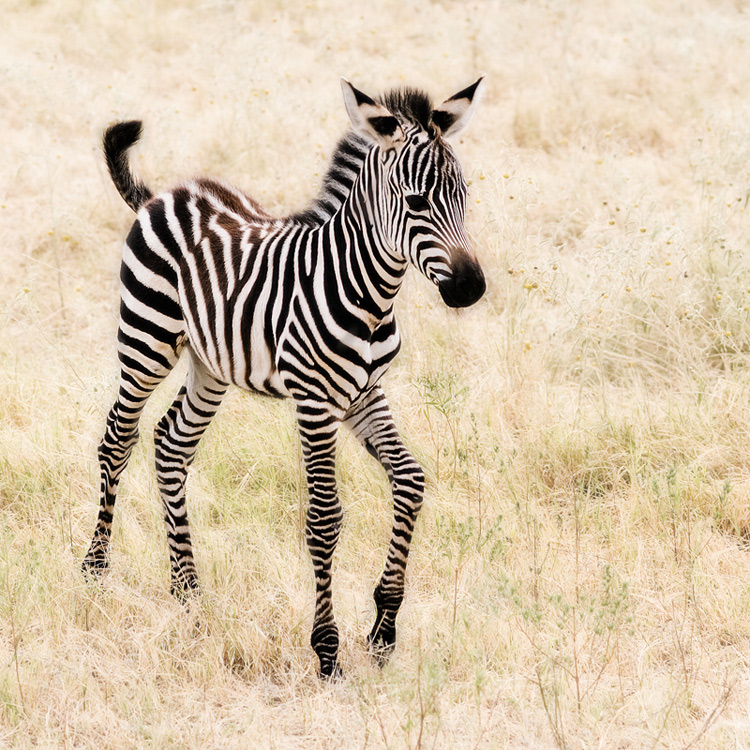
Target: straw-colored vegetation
(580, 575)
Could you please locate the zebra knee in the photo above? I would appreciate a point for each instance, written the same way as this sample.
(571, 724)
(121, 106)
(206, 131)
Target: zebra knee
(165, 452)
(161, 429)
(117, 442)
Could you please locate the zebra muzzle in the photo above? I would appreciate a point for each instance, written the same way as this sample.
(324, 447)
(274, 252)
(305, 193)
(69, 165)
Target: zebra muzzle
(466, 285)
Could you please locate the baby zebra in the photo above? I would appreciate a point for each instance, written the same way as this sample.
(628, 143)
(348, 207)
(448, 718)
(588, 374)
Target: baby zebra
(300, 307)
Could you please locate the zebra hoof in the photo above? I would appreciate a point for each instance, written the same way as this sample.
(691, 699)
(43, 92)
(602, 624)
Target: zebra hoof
(330, 671)
(94, 566)
(185, 589)
(381, 643)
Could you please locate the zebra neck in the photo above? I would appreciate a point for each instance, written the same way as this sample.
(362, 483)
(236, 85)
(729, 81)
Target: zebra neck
(370, 267)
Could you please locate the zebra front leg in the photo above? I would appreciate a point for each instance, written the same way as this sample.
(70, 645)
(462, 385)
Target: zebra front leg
(176, 439)
(372, 423)
(318, 427)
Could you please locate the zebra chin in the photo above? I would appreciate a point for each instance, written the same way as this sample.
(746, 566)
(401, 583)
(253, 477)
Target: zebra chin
(465, 286)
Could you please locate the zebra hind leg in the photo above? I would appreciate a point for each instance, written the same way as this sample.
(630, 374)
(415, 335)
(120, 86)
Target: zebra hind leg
(372, 424)
(176, 439)
(120, 437)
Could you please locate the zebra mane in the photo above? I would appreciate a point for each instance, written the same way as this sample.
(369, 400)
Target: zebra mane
(345, 164)
(411, 106)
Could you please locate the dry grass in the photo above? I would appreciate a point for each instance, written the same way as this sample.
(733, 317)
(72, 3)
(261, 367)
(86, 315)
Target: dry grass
(580, 571)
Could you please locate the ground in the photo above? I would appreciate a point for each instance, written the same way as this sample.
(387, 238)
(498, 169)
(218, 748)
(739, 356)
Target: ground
(579, 574)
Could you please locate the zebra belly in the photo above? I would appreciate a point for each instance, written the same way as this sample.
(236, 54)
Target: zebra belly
(262, 376)
(233, 348)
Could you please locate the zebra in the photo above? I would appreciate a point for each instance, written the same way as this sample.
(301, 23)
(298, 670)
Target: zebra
(300, 307)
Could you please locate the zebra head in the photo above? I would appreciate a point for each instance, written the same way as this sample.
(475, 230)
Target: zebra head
(421, 192)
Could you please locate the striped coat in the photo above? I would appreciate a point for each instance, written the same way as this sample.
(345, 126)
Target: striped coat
(300, 307)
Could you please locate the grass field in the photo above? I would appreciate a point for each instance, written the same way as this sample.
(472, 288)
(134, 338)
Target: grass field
(579, 574)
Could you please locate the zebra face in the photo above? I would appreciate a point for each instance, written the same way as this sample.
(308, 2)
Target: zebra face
(422, 191)
(430, 199)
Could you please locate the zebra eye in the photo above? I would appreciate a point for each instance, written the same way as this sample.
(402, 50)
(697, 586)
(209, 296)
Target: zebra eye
(418, 202)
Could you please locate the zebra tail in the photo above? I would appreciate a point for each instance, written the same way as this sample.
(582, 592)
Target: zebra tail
(118, 138)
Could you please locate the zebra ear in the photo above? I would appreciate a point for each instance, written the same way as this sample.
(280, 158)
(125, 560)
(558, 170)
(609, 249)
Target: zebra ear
(453, 115)
(370, 119)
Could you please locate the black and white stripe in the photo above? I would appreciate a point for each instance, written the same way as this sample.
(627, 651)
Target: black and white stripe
(300, 307)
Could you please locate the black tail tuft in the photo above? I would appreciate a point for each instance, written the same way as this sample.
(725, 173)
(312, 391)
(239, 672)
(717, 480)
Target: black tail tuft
(118, 138)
